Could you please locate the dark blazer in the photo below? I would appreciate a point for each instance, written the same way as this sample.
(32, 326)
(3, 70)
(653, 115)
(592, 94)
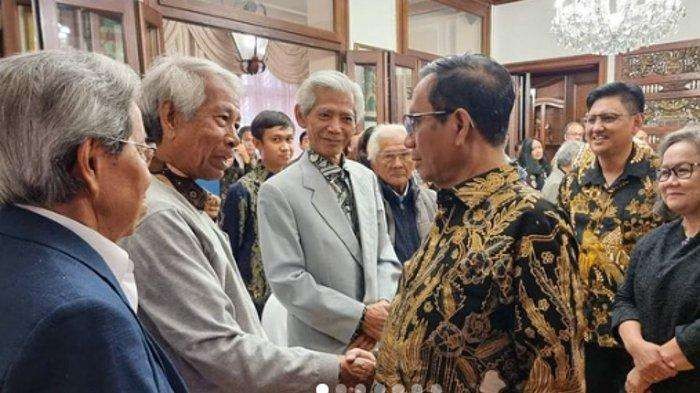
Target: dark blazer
(65, 325)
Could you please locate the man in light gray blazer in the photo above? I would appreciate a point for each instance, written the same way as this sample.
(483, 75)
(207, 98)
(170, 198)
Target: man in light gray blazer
(323, 235)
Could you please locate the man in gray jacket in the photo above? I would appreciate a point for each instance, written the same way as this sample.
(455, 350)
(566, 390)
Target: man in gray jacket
(192, 297)
(323, 236)
(410, 208)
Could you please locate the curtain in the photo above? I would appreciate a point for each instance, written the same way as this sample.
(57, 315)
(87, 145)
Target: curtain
(287, 62)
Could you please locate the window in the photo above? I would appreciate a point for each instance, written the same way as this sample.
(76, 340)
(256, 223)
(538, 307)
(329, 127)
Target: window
(88, 30)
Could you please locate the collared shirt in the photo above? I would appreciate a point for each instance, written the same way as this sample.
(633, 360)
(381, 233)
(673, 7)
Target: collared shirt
(491, 302)
(114, 256)
(339, 179)
(239, 221)
(608, 221)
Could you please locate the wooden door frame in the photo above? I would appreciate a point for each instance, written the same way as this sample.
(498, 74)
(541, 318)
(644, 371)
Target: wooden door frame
(379, 60)
(401, 60)
(145, 16)
(563, 64)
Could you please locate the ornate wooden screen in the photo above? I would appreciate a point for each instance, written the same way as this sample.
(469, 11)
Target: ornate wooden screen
(669, 75)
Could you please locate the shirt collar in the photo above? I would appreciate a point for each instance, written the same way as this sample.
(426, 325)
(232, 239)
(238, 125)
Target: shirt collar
(476, 190)
(392, 195)
(641, 162)
(194, 194)
(324, 165)
(116, 258)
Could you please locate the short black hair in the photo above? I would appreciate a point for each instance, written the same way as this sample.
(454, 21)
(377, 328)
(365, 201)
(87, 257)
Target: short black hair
(302, 135)
(242, 131)
(630, 94)
(269, 119)
(478, 84)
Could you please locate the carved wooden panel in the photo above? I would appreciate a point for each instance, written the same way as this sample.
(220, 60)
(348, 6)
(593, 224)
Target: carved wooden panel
(669, 76)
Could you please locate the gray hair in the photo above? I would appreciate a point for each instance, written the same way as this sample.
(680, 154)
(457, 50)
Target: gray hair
(180, 80)
(332, 80)
(689, 134)
(567, 153)
(51, 102)
(381, 132)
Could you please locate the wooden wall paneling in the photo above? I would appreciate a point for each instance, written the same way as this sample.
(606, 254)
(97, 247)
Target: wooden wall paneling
(10, 28)
(48, 17)
(257, 24)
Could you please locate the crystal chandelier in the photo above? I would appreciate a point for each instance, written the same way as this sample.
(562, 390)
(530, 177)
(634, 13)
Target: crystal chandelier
(609, 27)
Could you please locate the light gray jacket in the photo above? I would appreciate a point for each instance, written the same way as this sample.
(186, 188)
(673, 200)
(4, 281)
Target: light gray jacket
(313, 261)
(193, 300)
(426, 206)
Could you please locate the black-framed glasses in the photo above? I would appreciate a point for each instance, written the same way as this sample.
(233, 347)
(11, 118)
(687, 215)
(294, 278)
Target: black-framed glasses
(605, 118)
(411, 120)
(145, 150)
(683, 171)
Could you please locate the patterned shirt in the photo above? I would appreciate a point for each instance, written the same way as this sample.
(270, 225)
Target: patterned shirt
(239, 221)
(339, 179)
(491, 302)
(607, 222)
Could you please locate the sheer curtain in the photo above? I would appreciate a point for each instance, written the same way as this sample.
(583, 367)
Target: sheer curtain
(265, 91)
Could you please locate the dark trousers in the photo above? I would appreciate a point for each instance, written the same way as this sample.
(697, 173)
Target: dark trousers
(606, 369)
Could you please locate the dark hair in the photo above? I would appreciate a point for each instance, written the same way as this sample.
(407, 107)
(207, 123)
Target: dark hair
(362, 147)
(269, 119)
(527, 161)
(242, 131)
(630, 94)
(478, 84)
(302, 135)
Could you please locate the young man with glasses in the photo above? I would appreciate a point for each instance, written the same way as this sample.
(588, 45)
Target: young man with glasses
(409, 208)
(608, 198)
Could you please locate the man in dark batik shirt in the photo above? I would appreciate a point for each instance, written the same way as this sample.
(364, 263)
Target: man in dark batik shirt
(273, 133)
(491, 301)
(609, 198)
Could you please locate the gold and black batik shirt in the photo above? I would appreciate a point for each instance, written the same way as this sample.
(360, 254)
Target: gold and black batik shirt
(491, 302)
(608, 221)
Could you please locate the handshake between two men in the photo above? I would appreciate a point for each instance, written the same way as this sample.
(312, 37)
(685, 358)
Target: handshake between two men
(358, 365)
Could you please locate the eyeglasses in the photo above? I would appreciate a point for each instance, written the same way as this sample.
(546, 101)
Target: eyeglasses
(605, 118)
(411, 120)
(145, 150)
(389, 157)
(682, 171)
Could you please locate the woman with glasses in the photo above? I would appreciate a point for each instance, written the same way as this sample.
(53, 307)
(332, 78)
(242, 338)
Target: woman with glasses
(656, 312)
(532, 159)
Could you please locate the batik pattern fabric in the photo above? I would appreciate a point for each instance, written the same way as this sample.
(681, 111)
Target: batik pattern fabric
(239, 221)
(339, 180)
(491, 302)
(607, 222)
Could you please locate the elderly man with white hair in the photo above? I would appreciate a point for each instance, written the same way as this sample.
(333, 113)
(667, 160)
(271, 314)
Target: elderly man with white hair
(194, 299)
(73, 180)
(563, 163)
(410, 209)
(323, 236)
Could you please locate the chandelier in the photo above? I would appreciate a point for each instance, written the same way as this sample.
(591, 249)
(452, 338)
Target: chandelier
(251, 48)
(609, 27)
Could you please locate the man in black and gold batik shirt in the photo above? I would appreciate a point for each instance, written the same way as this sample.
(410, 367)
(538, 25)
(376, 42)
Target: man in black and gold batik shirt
(609, 198)
(491, 302)
(273, 133)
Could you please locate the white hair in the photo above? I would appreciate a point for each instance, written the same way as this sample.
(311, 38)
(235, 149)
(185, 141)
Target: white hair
(51, 102)
(180, 80)
(382, 132)
(332, 80)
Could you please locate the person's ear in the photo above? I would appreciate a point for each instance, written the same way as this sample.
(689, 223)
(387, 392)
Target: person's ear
(300, 117)
(168, 119)
(87, 161)
(464, 125)
(638, 120)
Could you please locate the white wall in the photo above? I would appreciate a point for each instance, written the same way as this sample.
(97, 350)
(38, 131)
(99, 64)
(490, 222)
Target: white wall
(520, 31)
(373, 22)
